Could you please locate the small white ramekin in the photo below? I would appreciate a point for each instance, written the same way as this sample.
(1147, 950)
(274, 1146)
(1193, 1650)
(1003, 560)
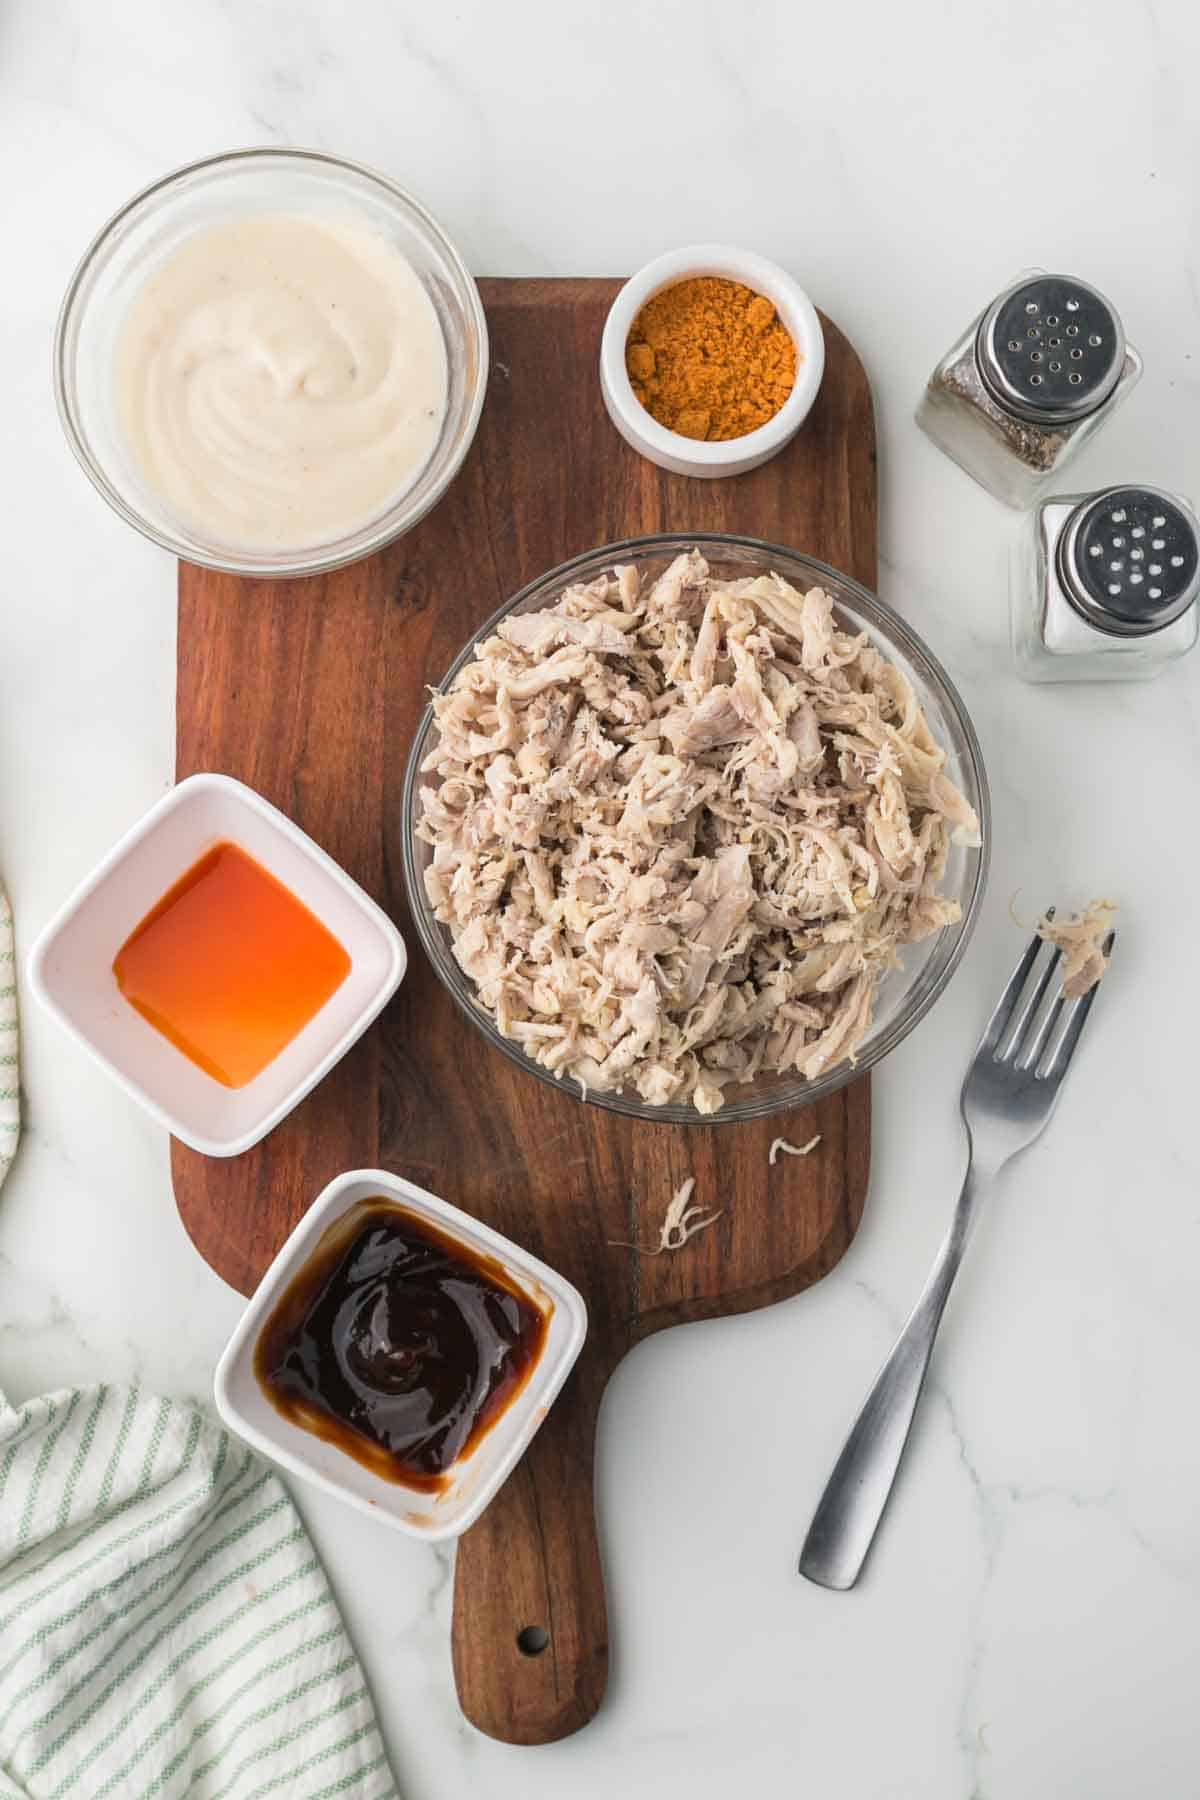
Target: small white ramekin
(71, 965)
(691, 456)
(474, 1478)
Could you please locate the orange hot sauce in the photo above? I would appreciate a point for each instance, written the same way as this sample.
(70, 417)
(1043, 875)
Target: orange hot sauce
(230, 966)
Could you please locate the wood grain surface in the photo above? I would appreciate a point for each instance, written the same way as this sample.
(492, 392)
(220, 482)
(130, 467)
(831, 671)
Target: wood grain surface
(310, 691)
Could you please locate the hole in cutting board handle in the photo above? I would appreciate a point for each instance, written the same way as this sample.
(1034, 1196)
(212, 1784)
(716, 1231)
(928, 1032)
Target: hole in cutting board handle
(532, 1640)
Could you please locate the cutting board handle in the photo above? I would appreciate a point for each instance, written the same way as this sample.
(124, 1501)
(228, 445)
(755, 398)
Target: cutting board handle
(530, 1622)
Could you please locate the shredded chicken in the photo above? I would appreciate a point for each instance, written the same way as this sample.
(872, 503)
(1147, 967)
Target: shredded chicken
(681, 1222)
(680, 827)
(781, 1147)
(1081, 940)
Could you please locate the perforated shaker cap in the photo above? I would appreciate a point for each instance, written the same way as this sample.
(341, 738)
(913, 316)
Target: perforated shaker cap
(1129, 560)
(1050, 349)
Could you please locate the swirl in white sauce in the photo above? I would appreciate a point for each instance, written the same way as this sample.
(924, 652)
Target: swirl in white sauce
(281, 380)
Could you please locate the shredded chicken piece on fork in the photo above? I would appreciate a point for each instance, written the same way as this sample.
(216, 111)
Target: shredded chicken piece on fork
(1080, 937)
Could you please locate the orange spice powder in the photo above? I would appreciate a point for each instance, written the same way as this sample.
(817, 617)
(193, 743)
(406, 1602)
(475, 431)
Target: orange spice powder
(710, 358)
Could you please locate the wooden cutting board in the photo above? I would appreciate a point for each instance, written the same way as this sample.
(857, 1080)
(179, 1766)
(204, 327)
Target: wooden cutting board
(310, 691)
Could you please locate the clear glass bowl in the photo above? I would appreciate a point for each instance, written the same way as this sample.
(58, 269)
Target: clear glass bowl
(235, 185)
(905, 995)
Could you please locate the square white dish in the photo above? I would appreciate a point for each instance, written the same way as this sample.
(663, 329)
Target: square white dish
(71, 965)
(475, 1477)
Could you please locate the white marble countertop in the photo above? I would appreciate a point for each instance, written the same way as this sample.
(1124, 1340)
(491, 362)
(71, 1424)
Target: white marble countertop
(1029, 1627)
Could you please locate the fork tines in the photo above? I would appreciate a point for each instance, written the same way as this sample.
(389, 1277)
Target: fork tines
(1024, 1031)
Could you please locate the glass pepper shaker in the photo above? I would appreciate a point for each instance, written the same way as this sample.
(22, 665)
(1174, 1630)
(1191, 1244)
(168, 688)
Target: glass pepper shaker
(1104, 586)
(1028, 383)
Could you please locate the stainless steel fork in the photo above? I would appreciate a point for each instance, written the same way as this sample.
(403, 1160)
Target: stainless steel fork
(1007, 1099)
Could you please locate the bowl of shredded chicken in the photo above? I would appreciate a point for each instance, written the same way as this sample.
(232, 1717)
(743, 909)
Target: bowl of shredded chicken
(696, 827)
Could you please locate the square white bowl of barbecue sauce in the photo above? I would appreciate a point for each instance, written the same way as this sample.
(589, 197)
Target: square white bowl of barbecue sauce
(399, 1354)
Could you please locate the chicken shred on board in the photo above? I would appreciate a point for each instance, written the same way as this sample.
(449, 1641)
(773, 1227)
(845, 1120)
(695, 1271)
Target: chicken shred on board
(681, 1222)
(680, 828)
(1081, 940)
(781, 1147)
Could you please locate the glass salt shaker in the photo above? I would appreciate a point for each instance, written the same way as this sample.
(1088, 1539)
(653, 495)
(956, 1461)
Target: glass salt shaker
(1104, 586)
(1028, 383)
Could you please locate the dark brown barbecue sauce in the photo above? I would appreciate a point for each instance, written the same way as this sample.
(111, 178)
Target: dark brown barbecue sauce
(398, 1344)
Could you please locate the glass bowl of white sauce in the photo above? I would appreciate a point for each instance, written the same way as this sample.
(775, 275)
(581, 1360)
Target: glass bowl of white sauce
(271, 362)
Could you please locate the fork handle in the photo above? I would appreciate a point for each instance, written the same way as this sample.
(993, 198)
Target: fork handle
(856, 1494)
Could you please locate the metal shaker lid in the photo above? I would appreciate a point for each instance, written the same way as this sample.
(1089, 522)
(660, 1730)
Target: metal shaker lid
(1050, 349)
(1129, 560)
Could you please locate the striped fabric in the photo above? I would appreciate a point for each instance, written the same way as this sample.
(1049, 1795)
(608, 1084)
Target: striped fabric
(10, 1062)
(165, 1626)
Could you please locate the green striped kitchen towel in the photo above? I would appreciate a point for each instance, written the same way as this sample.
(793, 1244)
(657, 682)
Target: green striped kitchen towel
(165, 1626)
(10, 1062)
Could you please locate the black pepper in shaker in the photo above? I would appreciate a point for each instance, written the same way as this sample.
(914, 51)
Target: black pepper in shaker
(1028, 382)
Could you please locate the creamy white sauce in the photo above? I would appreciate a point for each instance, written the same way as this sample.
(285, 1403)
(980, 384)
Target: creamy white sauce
(281, 380)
